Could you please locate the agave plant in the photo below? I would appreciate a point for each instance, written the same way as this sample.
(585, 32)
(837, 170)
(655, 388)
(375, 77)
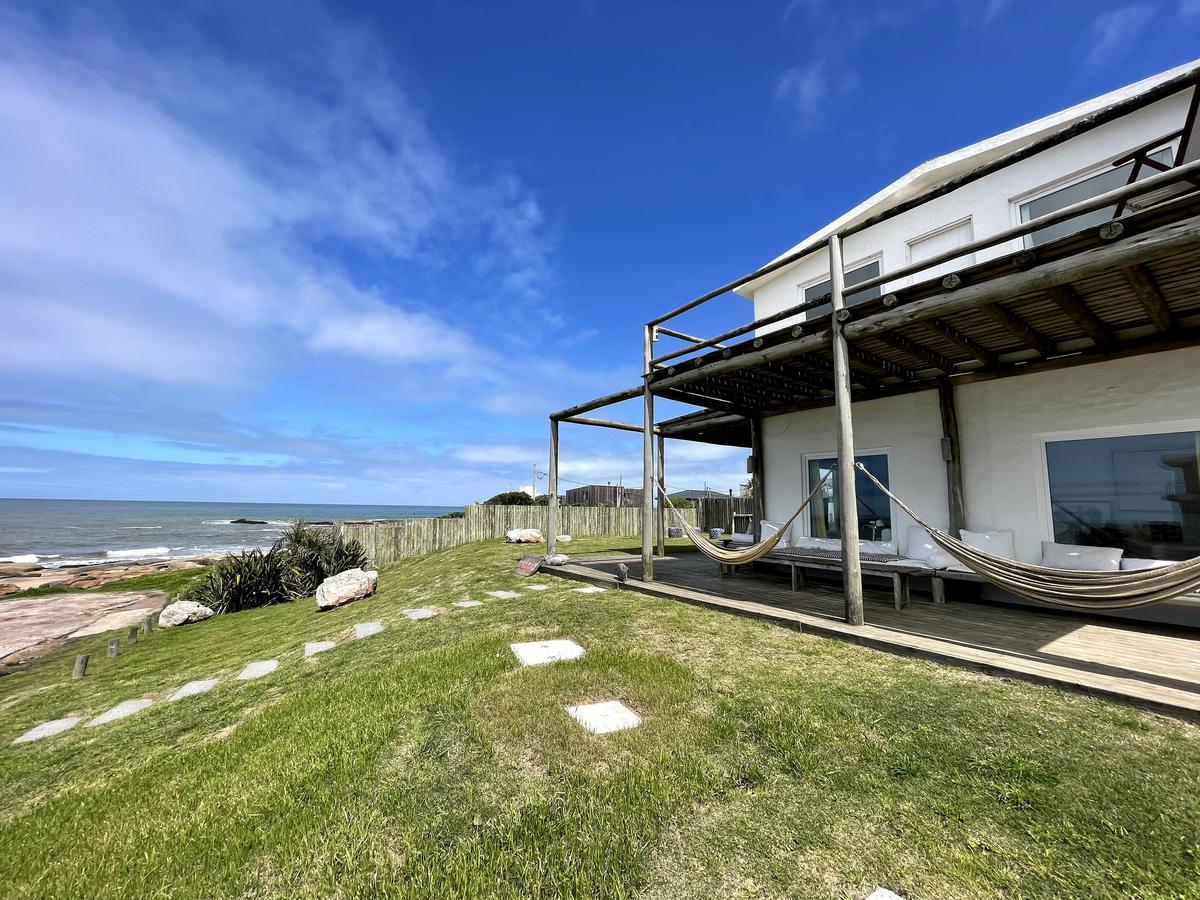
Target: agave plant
(316, 553)
(245, 581)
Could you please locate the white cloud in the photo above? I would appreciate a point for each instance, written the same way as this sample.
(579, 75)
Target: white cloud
(809, 90)
(1111, 34)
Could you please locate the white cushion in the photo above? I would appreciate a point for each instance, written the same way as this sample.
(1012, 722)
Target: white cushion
(812, 543)
(738, 537)
(997, 543)
(1081, 559)
(770, 528)
(887, 548)
(1130, 564)
(922, 547)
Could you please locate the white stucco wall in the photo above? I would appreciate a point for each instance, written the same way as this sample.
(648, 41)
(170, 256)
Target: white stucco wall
(991, 204)
(907, 428)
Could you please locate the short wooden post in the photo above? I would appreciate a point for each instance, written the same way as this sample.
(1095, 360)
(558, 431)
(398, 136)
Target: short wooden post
(131, 638)
(847, 495)
(147, 625)
(662, 499)
(648, 488)
(114, 647)
(552, 488)
(80, 669)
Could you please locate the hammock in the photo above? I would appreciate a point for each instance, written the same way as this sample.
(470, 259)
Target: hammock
(747, 554)
(1063, 587)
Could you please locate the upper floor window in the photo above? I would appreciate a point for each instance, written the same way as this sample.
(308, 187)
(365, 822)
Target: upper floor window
(824, 289)
(930, 245)
(1108, 180)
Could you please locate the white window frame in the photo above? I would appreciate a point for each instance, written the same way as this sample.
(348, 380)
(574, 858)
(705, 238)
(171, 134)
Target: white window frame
(964, 262)
(1017, 201)
(806, 528)
(828, 274)
(1045, 510)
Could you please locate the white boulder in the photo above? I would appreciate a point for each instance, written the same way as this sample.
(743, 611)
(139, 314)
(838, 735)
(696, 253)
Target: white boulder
(183, 612)
(523, 536)
(353, 584)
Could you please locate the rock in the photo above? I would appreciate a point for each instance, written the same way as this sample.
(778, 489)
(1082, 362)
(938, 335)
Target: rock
(558, 559)
(248, 522)
(344, 587)
(183, 612)
(6, 589)
(523, 536)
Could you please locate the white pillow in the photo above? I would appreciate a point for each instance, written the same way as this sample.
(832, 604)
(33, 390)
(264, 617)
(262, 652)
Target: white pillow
(1130, 564)
(1081, 559)
(769, 528)
(997, 543)
(813, 543)
(886, 548)
(738, 537)
(922, 547)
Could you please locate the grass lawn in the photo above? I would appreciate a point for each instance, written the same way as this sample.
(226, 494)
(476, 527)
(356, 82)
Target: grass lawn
(171, 582)
(423, 762)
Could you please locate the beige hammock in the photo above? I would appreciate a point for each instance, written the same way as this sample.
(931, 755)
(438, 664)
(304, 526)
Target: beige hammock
(1063, 587)
(747, 554)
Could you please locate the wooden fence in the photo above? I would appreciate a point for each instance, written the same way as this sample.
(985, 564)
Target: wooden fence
(717, 512)
(389, 541)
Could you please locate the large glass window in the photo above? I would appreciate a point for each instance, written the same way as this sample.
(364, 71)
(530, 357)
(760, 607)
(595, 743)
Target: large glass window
(824, 290)
(1140, 493)
(1100, 183)
(874, 508)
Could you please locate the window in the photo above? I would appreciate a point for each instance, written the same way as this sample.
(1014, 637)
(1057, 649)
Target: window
(1100, 183)
(939, 242)
(874, 508)
(1138, 492)
(824, 289)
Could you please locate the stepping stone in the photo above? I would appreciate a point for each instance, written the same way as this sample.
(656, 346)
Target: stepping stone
(601, 718)
(366, 629)
(312, 648)
(120, 711)
(590, 589)
(48, 729)
(416, 614)
(536, 653)
(537, 587)
(467, 604)
(194, 687)
(503, 595)
(884, 894)
(258, 669)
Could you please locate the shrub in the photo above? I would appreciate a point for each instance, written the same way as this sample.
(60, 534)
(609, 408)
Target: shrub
(316, 553)
(457, 514)
(510, 498)
(244, 581)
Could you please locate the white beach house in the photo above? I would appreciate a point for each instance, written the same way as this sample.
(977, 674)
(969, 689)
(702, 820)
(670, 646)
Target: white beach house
(1035, 389)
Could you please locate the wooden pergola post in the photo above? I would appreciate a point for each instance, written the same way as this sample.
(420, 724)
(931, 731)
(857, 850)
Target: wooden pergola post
(552, 488)
(847, 496)
(758, 496)
(647, 457)
(662, 501)
(953, 457)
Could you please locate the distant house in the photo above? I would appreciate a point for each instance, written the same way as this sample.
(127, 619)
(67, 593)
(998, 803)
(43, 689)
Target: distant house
(603, 495)
(694, 495)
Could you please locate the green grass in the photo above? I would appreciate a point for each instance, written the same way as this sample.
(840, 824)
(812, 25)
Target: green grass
(171, 582)
(423, 762)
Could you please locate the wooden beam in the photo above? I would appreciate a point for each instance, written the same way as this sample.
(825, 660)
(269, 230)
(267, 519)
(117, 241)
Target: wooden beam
(953, 456)
(1020, 329)
(647, 457)
(757, 483)
(697, 398)
(744, 360)
(883, 366)
(917, 351)
(602, 423)
(1166, 240)
(1069, 301)
(661, 505)
(619, 396)
(847, 497)
(1150, 296)
(552, 488)
(960, 340)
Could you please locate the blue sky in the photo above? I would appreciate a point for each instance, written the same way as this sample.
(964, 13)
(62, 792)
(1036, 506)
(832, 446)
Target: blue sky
(355, 254)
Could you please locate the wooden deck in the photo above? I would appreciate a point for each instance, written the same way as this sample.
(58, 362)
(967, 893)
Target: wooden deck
(1152, 666)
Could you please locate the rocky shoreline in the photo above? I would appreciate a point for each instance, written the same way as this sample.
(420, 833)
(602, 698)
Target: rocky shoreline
(16, 577)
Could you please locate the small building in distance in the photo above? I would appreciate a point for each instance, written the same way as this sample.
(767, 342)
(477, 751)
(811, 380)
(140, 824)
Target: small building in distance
(603, 495)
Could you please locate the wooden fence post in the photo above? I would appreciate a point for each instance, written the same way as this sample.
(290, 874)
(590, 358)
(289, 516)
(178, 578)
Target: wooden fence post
(114, 647)
(81, 663)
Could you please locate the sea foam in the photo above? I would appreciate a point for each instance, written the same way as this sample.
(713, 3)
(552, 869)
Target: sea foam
(137, 552)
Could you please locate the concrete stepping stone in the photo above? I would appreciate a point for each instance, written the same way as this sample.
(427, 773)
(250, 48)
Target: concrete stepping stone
(122, 710)
(884, 894)
(537, 587)
(417, 614)
(258, 669)
(366, 629)
(194, 687)
(312, 648)
(467, 604)
(590, 589)
(503, 595)
(48, 729)
(602, 718)
(536, 653)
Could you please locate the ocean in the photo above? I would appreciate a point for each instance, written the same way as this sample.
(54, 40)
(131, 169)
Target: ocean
(72, 532)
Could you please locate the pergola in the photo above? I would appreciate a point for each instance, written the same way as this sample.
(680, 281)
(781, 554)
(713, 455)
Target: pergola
(1127, 287)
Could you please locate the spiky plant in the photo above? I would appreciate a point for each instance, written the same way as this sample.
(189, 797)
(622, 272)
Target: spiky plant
(316, 553)
(245, 581)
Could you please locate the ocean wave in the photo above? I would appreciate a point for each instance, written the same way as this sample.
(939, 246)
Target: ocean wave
(137, 552)
(141, 527)
(24, 559)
